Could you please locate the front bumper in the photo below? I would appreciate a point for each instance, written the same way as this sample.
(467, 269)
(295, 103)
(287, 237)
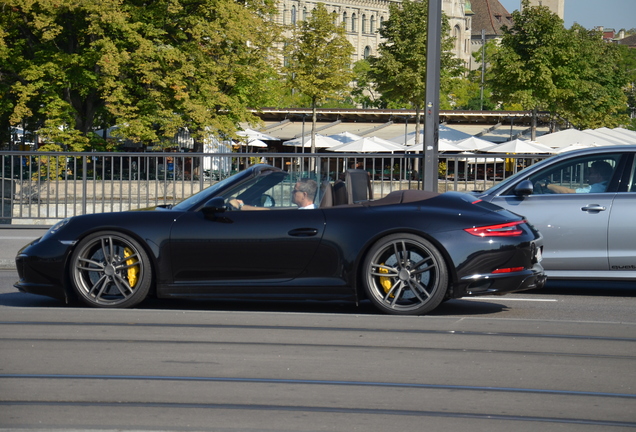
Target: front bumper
(41, 270)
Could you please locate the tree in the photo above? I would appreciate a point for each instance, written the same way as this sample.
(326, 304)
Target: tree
(399, 71)
(67, 67)
(628, 65)
(573, 73)
(318, 57)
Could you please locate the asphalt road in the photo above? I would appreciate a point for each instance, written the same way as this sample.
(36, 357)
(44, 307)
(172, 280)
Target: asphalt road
(556, 359)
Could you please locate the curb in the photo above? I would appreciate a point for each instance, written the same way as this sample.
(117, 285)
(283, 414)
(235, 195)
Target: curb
(7, 264)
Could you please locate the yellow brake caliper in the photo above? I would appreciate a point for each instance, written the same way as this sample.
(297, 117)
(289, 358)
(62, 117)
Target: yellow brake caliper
(385, 281)
(133, 271)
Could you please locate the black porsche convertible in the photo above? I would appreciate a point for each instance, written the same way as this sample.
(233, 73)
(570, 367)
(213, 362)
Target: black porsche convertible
(405, 252)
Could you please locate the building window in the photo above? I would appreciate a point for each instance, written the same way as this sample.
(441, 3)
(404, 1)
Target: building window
(372, 24)
(304, 14)
(353, 22)
(367, 52)
(457, 34)
(364, 23)
(293, 15)
(345, 20)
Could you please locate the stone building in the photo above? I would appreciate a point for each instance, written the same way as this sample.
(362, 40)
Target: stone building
(362, 19)
(488, 19)
(556, 6)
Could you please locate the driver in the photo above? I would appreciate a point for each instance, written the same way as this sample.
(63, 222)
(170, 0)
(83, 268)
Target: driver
(600, 173)
(303, 196)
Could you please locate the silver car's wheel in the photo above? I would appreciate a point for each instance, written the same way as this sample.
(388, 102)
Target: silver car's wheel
(110, 269)
(405, 275)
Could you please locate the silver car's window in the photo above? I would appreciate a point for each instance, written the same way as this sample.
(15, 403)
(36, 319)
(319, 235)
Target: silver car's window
(632, 178)
(585, 174)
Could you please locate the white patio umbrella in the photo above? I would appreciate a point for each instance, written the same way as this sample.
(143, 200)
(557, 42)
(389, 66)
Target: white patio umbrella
(442, 146)
(473, 144)
(609, 135)
(519, 146)
(575, 146)
(254, 143)
(568, 137)
(626, 132)
(368, 145)
(253, 134)
(322, 141)
(345, 137)
(445, 132)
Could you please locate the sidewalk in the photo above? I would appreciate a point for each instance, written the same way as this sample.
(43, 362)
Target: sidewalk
(13, 238)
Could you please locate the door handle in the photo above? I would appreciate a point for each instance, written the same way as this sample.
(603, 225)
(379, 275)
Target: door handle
(593, 208)
(303, 232)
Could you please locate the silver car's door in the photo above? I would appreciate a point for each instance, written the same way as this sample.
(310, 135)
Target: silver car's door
(574, 227)
(622, 232)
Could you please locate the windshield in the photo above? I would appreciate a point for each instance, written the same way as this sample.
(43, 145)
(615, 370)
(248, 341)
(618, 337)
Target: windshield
(204, 195)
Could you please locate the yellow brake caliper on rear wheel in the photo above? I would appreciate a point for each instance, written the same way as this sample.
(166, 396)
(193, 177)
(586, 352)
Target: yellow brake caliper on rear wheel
(385, 281)
(133, 272)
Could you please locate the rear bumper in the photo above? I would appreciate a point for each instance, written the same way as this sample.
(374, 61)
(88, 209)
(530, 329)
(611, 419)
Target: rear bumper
(483, 284)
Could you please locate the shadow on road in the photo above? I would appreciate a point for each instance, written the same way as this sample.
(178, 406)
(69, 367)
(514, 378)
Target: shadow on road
(451, 307)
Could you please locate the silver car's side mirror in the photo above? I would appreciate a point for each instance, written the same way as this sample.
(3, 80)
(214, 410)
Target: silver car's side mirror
(524, 188)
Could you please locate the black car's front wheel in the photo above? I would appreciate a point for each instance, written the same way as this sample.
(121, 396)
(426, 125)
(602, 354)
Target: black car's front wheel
(405, 274)
(110, 269)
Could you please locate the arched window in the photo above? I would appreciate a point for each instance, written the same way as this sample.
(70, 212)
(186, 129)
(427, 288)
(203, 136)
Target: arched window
(345, 20)
(293, 15)
(367, 52)
(304, 14)
(353, 22)
(372, 29)
(364, 23)
(457, 34)
(381, 21)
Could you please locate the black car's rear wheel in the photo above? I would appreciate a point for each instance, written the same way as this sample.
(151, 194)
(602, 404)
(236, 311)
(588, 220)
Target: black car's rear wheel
(110, 269)
(405, 275)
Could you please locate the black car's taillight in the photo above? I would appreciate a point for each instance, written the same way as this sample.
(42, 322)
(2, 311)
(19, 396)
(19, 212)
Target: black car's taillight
(510, 229)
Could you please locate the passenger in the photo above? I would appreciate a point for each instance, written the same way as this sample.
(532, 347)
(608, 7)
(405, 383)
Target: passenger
(303, 196)
(599, 176)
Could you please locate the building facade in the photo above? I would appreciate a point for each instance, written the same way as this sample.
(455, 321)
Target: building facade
(556, 6)
(363, 18)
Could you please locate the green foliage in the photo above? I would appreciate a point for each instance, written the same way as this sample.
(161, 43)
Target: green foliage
(399, 72)
(149, 67)
(319, 57)
(363, 92)
(573, 73)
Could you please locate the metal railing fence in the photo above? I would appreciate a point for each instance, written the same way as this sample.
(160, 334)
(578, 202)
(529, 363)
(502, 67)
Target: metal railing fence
(41, 188)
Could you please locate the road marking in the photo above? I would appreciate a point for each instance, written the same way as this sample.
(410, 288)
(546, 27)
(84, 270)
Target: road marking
(17, 238)
(509, 298)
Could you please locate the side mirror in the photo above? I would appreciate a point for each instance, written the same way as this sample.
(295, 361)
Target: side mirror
(524, 188)
(213, 206)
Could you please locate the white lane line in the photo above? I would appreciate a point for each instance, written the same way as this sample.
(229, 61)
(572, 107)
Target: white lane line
(509, 298)
(17, 238)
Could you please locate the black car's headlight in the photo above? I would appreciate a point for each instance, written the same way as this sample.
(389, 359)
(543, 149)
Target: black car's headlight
(55, 228)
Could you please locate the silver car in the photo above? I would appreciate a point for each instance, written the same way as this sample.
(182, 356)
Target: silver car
(584, 204)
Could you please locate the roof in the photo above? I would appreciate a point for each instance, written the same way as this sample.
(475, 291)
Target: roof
(495, 126)
(629, 41)
(490, 15)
